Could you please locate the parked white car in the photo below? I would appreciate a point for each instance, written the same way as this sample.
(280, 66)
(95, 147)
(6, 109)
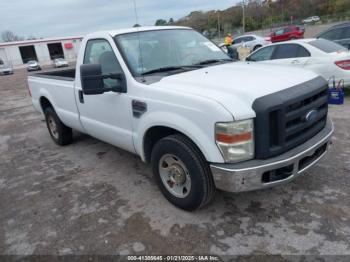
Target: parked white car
(6, 69)
(60, 62)
(171, 96)
(33, 65)
(324, 57)
(253, 42)
(312, 19)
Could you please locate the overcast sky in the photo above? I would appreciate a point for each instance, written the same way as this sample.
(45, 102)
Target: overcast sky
(55, 18)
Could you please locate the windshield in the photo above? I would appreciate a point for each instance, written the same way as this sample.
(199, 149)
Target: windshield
(152, 50)
(327, 46)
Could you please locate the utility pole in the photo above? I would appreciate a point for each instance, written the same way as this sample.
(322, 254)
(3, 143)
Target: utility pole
(219, 24)
(282, 4)
(243, 20)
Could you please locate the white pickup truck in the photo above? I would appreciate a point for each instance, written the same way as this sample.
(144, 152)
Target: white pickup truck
(174, 98)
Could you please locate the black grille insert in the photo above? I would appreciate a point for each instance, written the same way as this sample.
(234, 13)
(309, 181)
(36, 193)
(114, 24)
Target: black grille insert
(283, 121)
(277, 174)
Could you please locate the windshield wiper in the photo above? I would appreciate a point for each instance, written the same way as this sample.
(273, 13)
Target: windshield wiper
(167, 69)
(214, 61)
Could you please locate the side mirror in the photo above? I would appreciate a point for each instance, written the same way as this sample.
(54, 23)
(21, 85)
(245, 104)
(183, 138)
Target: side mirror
(92, 80)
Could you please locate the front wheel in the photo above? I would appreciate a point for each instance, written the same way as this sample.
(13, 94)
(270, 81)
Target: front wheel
(182, 173)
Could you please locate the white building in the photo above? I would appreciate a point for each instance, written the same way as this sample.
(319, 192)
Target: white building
(42, 50)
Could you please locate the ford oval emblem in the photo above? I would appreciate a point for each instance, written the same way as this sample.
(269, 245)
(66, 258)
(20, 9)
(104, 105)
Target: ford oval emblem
(311, 116)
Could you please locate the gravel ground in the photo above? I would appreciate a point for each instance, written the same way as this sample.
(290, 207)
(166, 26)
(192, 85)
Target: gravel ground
(92, 198)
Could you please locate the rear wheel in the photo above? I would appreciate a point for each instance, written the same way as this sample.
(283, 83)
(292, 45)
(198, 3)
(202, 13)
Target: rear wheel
(59, 132)
(182, 173)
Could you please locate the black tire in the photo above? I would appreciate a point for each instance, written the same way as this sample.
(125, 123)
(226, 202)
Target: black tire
(63, 135)
(202, 185)
(257, 47)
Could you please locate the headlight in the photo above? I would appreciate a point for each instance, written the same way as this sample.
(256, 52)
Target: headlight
(235, 140)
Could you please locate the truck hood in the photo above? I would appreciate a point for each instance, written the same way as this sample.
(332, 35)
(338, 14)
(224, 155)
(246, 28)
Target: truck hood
(236, 85)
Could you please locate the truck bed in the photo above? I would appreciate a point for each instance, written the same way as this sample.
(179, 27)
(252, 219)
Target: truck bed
(66, 75)
(57, 86)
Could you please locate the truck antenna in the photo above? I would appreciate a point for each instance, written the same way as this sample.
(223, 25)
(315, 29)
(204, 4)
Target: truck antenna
(138, 36)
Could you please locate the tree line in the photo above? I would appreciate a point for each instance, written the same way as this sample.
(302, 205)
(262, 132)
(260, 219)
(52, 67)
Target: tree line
(261, 14)
(9, 36)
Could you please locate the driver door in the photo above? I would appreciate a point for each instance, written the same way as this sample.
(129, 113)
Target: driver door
(106, 116)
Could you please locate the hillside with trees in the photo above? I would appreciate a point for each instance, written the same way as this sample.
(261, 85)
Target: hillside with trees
(264, 14)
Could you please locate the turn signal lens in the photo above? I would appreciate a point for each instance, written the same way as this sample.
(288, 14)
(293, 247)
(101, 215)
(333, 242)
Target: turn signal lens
(235, 140)
(229, 139)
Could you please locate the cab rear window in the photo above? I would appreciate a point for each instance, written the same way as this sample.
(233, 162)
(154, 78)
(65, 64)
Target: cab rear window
(327, 46)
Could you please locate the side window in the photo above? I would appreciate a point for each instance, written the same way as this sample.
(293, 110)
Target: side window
(288, 30)
(238, 40)
(249, 38)
(263, 54)
(244, 39)
(286, 51)
(99, 51)
(334, 34)
(279, 32)
(345, 33)
(302, 52)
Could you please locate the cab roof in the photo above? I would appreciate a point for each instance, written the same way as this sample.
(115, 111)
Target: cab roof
(114, 33)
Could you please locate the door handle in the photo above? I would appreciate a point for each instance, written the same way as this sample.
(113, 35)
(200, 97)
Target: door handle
(295, 62)
(81, 96)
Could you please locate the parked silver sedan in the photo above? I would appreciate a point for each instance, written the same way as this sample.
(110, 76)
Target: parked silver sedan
(6, 69)
(60, 62)
(253, 42)
(312, 19)
(33, 65)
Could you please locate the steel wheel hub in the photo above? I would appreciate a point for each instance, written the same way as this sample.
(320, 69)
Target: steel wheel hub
(53, 127)
(175, 175)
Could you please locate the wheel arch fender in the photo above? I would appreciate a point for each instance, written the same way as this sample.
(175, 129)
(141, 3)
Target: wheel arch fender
(44, 94)
(203, 138)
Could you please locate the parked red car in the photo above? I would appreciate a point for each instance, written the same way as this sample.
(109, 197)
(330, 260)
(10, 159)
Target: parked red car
(287, 33)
